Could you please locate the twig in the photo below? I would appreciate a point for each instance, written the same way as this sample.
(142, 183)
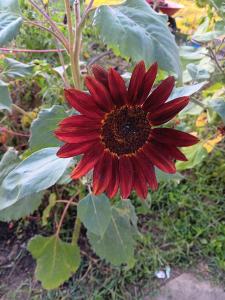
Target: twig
(49, 20)
(216, 60)
(63, 216)
(59, 37)
(98, 57)
(198, 103)
(20, 110)
(11, 50)
(71, 41)
(86, 12)
(4, 129)
(77, 41)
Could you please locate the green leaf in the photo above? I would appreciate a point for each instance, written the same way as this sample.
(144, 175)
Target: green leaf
(10, 20)
(164, 177)
(5, 99)
(134, 30)
(56, 260)
(218, 105)
(15, 69)
(42, 128)
(21, 208)
(24, 206)
(187, 90)
(8, 162)
(117, 244)
(36, 173)
(195, 155)
(95, 213)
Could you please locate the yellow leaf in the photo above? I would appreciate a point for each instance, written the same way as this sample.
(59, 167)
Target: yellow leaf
(201, 120)
(210, 144)
(98, 3)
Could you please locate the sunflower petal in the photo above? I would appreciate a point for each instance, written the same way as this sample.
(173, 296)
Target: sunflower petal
(102, 173)
(80, 121)
(173, 137)
(100, 74)
(147, 84)
(117, 88)
(159, 95)
(99, 93)
(158, 159)
(148, 170)
(70, 150)
(88, 161)
(77, 136)
(167, 111)
(113, 185)
(139, 183)
(136, 82)
(126, 176)
(83, 103)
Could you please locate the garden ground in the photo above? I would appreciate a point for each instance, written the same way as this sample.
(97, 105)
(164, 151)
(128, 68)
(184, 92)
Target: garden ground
(182, 226)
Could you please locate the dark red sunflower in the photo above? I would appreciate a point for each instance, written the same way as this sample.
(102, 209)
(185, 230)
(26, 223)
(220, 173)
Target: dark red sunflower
(116, 131)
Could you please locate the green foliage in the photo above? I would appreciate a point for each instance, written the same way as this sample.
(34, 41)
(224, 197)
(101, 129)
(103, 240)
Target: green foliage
(8, 162)
(195, 154)
(56, 260)
(46, 123)
(31, 176)
(47, 210)
(134, 30)
(10, 21)
(117, 244)
(23, 206)
(218, 105)
(95, 213)
(16, 69)
(5, 99)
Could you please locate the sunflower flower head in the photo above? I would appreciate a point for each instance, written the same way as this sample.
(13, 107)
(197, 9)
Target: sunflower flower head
(118, 130)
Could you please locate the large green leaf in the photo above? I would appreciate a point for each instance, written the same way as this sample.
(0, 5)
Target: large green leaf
(95, 213)
(117, 244)
(10, 20)
(56, 260)
(15, 69)
(36, 173)
(187, 90)
(5, 99)
(134, 30)
(8, 162)
(24, 206)
(219, 106)
(42, 128)
(195, 155)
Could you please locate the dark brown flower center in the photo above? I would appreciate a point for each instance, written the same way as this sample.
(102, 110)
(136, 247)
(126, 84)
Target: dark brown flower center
(125, 130)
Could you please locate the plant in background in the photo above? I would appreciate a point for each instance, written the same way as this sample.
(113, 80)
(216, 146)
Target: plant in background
(115, 129)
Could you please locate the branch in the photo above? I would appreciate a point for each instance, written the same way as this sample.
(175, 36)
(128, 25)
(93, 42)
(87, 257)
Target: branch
(49, 20)
(11, 50)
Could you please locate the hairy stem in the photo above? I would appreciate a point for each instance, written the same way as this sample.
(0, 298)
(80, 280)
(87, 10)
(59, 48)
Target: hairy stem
(77, 42)
(63, 216)
(76, 231)
(71, 42)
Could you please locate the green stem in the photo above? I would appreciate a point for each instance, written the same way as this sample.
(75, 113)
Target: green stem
(76, 231)
(71, 42)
